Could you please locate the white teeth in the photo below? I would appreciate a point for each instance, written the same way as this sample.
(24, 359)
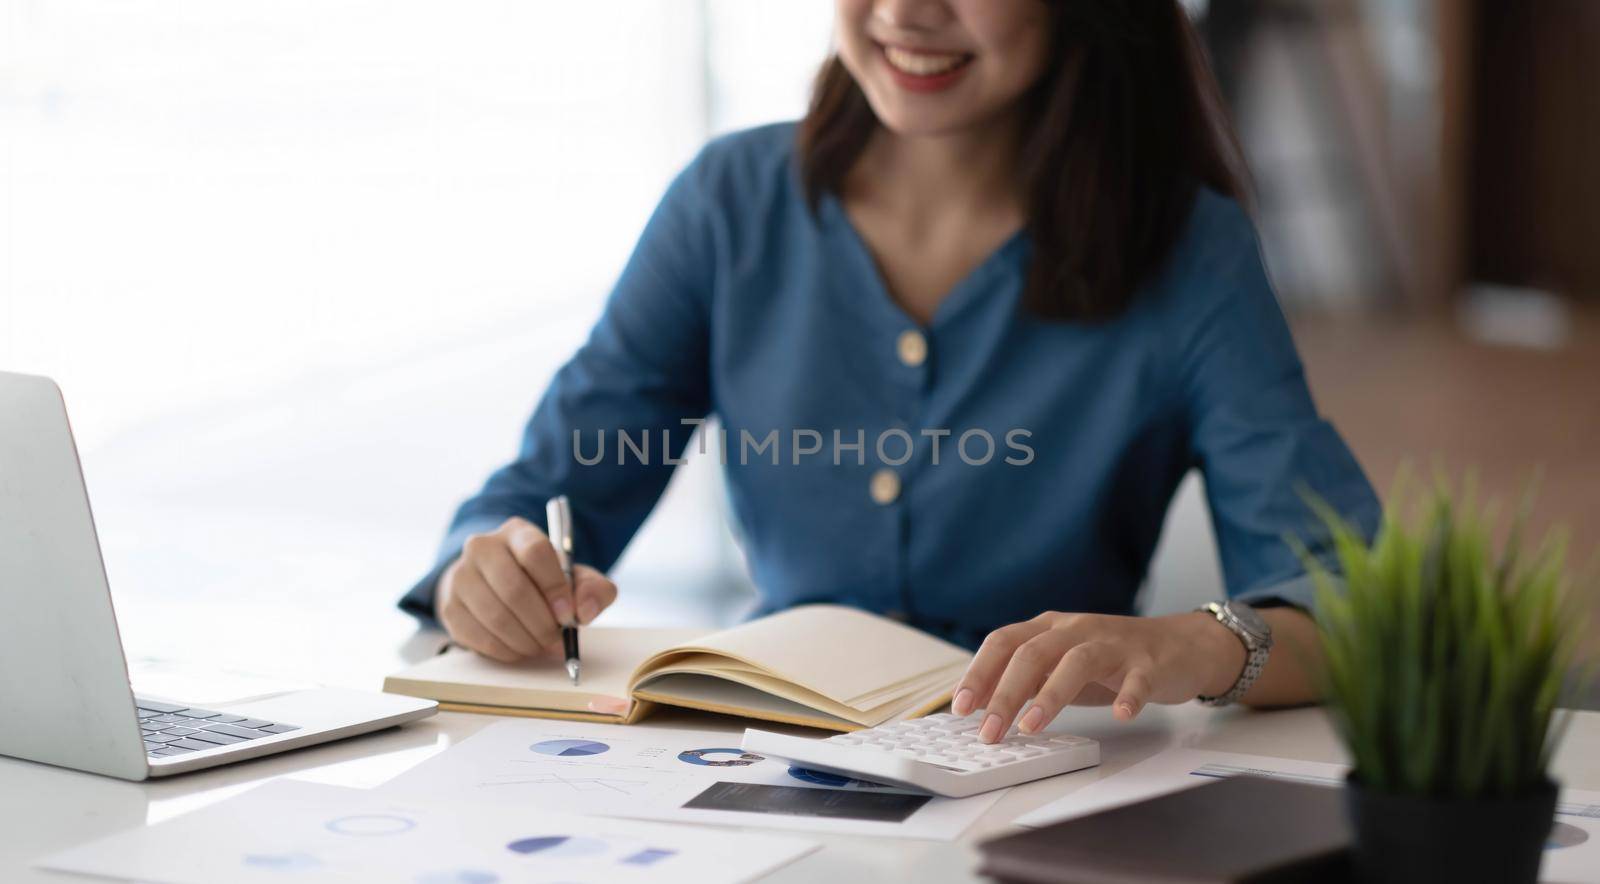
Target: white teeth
(924, 64)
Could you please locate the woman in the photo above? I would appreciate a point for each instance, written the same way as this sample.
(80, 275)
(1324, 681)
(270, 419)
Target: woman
(966, 326)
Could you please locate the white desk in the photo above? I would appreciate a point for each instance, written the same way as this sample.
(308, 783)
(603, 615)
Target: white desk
(44, 809)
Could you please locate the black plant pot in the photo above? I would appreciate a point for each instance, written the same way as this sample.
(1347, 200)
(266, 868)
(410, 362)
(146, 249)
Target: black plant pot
(1418, 839)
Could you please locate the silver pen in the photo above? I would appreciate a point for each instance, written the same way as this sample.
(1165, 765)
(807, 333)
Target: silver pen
(558, 519)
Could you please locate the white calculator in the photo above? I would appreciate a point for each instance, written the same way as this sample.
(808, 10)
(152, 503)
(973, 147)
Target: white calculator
(939, 753)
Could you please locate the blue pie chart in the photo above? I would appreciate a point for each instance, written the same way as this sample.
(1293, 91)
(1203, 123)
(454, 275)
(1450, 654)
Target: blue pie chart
(563, 846)
(819, 777)
(368, 824)
(569, 748)
(831, 780)
(717, 756)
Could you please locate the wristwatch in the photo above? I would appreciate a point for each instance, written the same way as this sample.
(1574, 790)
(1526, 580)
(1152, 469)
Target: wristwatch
(1254, 631)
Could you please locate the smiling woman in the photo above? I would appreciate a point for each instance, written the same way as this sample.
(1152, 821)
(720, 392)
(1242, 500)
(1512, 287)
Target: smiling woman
(996, 214)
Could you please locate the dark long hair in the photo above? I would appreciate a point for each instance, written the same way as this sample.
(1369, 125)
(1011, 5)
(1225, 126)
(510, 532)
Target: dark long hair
(1121, 130)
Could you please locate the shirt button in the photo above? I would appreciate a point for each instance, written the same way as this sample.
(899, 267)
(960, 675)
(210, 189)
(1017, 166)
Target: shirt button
(884, 487)
(912, 347)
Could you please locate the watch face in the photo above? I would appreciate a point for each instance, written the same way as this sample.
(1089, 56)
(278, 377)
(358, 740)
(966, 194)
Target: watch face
(1251, 620)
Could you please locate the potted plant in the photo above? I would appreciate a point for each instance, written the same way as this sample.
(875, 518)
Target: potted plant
(1445, 659)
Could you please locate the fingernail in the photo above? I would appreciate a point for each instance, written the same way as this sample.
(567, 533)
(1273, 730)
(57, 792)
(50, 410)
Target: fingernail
(588, 610)
(1032, 721)
(1125, 709)
(563, 611)
(991, 728)
(962, 704)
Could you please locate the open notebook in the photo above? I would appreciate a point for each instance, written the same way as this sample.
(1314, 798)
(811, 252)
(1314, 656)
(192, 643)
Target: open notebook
(820, 665)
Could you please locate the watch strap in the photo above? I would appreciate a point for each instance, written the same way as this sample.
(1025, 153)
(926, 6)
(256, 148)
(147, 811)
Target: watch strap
(1256, 653)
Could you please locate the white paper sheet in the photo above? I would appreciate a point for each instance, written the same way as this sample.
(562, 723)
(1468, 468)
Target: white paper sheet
(307, 832)
(1572, 852)
(649, 772)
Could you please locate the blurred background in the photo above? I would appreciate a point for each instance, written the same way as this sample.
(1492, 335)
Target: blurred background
(303, 268)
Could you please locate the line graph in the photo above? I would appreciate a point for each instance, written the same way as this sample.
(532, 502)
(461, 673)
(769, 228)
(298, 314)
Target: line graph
(576, 784)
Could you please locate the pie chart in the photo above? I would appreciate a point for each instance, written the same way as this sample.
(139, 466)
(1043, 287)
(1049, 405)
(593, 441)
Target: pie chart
(1565, 835)
(819, 777)
(719, 757)
(569, 748)
(831, 780)
(564, 846)
(366, 824)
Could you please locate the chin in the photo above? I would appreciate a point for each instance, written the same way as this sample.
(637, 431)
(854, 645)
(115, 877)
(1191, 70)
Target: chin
(924, 125)
(924, 121)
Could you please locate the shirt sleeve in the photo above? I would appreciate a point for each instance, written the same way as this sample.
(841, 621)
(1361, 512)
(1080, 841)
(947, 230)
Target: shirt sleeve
(642, 373)
(1256, 434)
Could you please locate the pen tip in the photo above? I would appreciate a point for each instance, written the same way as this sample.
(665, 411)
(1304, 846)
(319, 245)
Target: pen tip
(572, 671)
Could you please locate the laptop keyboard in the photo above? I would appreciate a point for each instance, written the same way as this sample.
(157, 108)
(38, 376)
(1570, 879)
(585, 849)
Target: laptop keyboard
(171, 730)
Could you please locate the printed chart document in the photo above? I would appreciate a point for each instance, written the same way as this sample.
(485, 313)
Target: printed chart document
(824, 666)
(679, 775)
(1572, 852)
(287, 830)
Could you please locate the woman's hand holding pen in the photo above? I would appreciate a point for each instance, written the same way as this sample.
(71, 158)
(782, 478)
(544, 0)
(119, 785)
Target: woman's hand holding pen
(1057, 659)
(506, 596)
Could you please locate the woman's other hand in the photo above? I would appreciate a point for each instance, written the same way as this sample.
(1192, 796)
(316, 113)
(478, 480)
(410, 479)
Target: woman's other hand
(506, 597)
(1057, 659)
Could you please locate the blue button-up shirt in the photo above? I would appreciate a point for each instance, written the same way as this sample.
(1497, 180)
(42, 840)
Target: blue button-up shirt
(1042, 454)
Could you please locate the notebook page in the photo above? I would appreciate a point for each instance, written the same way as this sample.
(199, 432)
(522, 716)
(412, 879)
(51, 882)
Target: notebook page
(838, 652)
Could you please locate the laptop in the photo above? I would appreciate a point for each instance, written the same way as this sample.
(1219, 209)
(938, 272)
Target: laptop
(64, 687)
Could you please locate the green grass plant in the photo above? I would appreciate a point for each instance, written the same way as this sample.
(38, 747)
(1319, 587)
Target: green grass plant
(1446, 655)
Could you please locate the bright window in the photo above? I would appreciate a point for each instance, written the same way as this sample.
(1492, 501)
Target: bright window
(303, 268)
